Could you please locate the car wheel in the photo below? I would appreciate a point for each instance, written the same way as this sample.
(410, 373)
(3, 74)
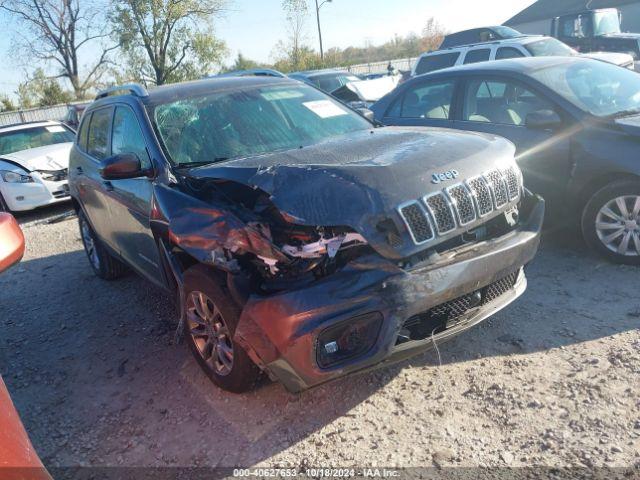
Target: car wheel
(104, 265)
(3, 205)
(211, 317)
(611, 222)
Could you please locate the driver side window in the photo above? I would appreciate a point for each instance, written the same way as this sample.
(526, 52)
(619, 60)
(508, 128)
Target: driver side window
(431, 100)
(500, 102)
(127, 136)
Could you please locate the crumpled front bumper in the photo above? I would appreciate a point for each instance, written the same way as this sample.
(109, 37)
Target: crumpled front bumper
(280, 331)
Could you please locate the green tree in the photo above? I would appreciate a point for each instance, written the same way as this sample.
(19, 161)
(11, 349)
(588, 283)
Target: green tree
(42, 91)
(243, 63)
(294, 53)
(168, 41)
(6, 104)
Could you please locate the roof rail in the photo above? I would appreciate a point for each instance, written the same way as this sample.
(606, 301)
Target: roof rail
(130, 88)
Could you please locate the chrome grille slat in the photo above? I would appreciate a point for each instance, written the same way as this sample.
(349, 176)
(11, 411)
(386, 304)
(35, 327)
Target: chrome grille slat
(417, 220)
(482, 195)
(462, 203)
(441, 212)
(498, 187)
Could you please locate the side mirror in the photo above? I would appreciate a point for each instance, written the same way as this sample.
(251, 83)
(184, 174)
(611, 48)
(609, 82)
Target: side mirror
(543, 120)
(122, 166)
(11, 241)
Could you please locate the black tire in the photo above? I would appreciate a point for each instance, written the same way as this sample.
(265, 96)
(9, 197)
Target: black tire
(103, 264)
(242, 374)
(593, 215)
(3, 205)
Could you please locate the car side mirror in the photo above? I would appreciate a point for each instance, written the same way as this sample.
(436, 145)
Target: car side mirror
(122, 166)
(11, 241)
(543, 120)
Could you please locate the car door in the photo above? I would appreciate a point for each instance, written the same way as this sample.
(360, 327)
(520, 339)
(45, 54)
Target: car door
(131, 198)
(501, 106)
(423, 103)
(92, 147)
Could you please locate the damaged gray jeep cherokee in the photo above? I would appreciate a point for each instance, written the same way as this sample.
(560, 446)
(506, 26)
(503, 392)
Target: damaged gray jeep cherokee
(299, 238)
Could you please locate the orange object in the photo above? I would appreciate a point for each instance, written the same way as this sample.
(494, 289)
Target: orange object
(11, 241)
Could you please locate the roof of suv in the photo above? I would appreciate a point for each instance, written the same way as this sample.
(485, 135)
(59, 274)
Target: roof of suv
(520, 65)
(176, 91)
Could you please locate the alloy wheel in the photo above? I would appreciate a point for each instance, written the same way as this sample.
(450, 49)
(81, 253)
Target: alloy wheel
(210, 333)
(89, 244)
(618, 225)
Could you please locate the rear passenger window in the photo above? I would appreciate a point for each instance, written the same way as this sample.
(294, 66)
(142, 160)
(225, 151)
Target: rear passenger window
(98, 137)
(432, 63)
(432, 100)
(479, 55)
(83, 133)
(508, 52)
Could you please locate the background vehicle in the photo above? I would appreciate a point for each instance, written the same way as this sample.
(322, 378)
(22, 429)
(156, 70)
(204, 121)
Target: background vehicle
(74, 114)
(255, 72)
(326, 80)
(33, 165)
(268, 204)
(478, 35)
(576, 125)
(525, 46)
(597, 30)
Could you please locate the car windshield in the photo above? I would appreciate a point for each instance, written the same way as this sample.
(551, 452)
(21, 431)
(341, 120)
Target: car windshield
(599, 88)
(250, 121)
(34, 137)
(606, 22)
(549, 47)
(507, 32)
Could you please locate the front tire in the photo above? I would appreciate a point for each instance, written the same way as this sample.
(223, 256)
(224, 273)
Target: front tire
(103, 264)
(611, 222)
(211, 318)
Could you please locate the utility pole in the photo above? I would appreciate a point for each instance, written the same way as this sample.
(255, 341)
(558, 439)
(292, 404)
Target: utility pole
(318, 7)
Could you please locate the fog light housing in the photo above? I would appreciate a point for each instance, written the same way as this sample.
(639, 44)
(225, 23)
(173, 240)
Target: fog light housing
(348, 339)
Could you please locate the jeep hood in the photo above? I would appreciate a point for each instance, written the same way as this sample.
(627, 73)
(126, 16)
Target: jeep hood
(47, 158)
(348, 180)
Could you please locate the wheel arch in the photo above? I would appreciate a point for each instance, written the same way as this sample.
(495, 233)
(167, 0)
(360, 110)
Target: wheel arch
(598, 183)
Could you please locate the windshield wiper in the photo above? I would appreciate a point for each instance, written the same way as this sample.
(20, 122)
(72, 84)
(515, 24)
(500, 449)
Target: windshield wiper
(625, 113)
(201, 164)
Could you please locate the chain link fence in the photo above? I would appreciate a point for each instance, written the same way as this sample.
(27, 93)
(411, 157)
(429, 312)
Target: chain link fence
(403, 64)
(57, 112)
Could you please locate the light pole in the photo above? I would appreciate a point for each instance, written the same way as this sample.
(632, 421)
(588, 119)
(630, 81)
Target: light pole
(318, 7)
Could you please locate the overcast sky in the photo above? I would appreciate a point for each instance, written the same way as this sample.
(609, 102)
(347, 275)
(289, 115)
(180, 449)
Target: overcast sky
(254, 26)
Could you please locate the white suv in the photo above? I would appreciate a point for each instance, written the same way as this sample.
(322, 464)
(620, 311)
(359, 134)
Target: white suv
(529, 46)
(34, 162)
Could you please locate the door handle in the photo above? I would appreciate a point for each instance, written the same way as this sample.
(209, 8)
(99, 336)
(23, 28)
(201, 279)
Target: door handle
(108, 186)
(79, 171)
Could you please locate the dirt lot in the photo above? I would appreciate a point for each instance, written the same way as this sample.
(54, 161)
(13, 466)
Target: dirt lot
(95, 373)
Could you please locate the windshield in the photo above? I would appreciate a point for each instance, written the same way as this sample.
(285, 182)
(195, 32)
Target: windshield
(332, 82)
(606, 22)
(251, 121)
(34, 137)
(549, 47)
(599, 88)
(507, 32)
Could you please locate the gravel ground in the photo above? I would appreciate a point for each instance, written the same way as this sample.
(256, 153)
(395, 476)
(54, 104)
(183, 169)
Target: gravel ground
(94, 371)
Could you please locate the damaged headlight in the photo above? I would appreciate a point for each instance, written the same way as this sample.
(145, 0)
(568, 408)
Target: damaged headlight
(14, 177)
(348, 339)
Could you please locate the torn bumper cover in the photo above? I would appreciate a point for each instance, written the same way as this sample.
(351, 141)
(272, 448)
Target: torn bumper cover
(379, 313)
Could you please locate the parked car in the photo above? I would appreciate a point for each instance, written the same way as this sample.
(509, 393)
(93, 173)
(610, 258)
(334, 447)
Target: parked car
(597, 30)
(74, 114)
(575, 123)
(299, 239)
(33, 165)
(528, 46)
(254, 72)
(478, 35)
(326, 80)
